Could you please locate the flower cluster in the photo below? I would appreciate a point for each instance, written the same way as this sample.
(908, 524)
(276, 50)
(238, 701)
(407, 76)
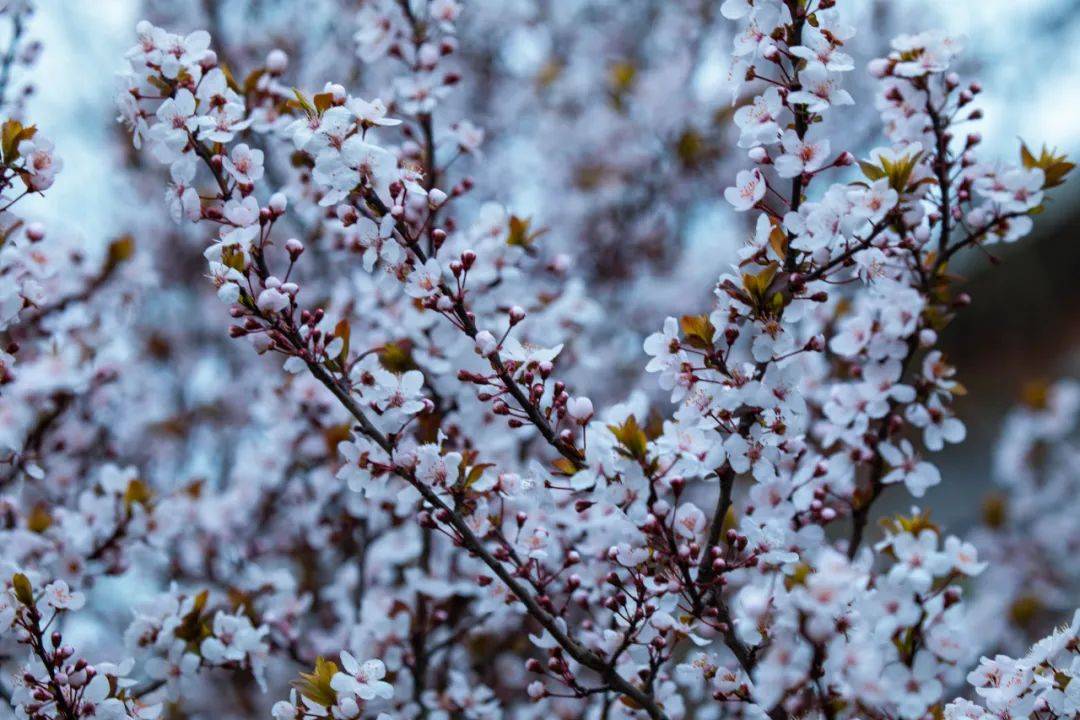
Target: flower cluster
(175, 635)
(56, 682)
(1041, 684)
(346, 694)
(29, 164)
(809, 392)
(447, 471)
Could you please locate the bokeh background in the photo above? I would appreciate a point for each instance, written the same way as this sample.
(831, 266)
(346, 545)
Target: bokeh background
(1024, 322)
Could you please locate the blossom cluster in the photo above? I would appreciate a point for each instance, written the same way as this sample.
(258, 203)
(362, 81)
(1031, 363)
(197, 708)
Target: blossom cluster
(441, 493)
(1042, 683)
(55, 682)
(175, 635)
(756, 380)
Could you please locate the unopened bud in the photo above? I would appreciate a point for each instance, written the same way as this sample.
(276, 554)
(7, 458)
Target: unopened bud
(295, 248)
(277, 61)
(277, 203)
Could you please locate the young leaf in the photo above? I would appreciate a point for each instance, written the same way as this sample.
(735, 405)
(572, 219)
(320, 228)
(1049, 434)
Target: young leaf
(343, 331)
(315, 685)
(699, 331)
(24, 592)
(631, 438)
(521, 233)
(1054, 165)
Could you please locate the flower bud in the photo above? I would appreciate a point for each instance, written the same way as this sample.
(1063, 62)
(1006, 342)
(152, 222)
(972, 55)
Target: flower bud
(336, 91)
(486, 344)
(878, 68)
(277, 61)
(277, 203)
(295, 248)
(580, 408)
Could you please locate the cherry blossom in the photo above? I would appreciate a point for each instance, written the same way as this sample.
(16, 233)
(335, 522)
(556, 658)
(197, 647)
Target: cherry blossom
(455, 399)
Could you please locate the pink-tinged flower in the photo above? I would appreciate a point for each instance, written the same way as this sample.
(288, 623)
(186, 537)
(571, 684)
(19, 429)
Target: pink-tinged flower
(61, 597)
(227, 280)
(917, 560)
(181, 197)
(223, 123)
(820, 91)
(819, 49)
(370, 114)
(180, 52)
(915, 688)
(800, 155)
(963, 556)
(749, 189)
(916, 474)
(244, 164)
(434, 468)
(404, 392)
(690, 521)
(364, 680)
(874, 202)
(758, 121)
(41, 163)
(468, 137)
(424, 281)
(939, 426)
(736, 9)
(376, 166)
(176, 121)
(445, 12)
(925, 53)
(95, 703)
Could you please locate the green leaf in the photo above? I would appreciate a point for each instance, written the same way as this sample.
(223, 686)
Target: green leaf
(872, 172)
(305, 104)
(396, 356)
(1055, 165)
(631, 438)
(521, 233)
(11, 134)
(476, 472)
(120, 250)
(194, 627)
(252, 80)
(315, 685)
(39, 520)
(137, 493)
(24, 592)
(756, 285)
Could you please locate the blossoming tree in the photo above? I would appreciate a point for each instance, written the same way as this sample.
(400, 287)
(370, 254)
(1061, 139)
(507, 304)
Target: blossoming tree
(420, 512)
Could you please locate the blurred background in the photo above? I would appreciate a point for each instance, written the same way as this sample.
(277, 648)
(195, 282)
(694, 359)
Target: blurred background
(1024, 321)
